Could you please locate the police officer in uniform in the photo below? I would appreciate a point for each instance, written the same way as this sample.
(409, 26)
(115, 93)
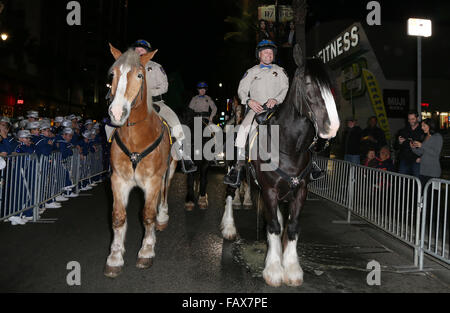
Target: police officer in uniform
(158, 85)
(202, 102)
(264, 84)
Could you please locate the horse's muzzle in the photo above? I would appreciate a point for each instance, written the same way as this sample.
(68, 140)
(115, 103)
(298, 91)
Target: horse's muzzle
(122, 118)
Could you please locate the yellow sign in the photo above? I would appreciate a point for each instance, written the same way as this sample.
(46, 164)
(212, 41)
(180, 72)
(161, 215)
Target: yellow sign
(376, 97)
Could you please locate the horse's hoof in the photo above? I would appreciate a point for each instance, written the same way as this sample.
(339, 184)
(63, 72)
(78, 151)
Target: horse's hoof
(273, 277)
(189, 206)
(237, 206)
(203, 202)
(144, 263)
(293, 276)
(161, 227)
(112, 271)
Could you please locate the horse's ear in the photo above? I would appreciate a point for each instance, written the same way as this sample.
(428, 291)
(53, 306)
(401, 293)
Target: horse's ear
(147, 57)
(298, 56)
(115, 52)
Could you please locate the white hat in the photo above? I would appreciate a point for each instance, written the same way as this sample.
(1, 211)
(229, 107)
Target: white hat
(33, 114)
(87, 134)
(66, 124)
(67, 131)
(23, 123)
(59, 119)
(33, 125)
(45, 125)
(5, 119)
(71, 117)
(89, 122)
(24, 134)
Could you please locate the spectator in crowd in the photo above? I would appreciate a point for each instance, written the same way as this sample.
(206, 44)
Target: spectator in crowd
(408, 164)
(57, 128)
(384, 161)
(429, 152)
(352, 139)
(33, 127)
(290, 39)
(26, 145)
(45, 144)
(262, 32)
(372, 137)
(371, 159)
(65, 147)
(6, 145)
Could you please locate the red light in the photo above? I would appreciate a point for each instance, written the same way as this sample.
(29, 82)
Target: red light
(425, 105)
(20, 102)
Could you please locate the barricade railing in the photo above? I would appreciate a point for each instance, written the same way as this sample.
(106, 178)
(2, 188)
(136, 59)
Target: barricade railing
(29, 181)
(435, 237)
(389, 201)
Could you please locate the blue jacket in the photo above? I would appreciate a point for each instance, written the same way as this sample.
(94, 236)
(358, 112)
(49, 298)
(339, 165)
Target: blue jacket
(22, 148)
(6, 146)
(65, 148)
(42, 146)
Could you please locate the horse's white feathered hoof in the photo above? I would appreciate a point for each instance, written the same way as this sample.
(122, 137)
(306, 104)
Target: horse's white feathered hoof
(162, 222)
(293, 275)
(143, 263)
(189, 206)
(273, 275)
(229, 232)
(203, 202)
(112, 271)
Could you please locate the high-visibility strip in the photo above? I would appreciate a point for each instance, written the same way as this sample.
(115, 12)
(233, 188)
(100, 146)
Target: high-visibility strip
(376, 97)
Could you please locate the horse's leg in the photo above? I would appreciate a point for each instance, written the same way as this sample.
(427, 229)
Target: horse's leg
(237, 199)
(121, 190)
(203, 197)
(190, 197)
(293, 273)
(273, 271)
(163, 210)
(147, 253)
(247, 196)
(227, 226)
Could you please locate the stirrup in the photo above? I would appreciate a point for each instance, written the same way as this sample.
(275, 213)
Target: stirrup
(192, 169)
(228, 179)
(319, 173)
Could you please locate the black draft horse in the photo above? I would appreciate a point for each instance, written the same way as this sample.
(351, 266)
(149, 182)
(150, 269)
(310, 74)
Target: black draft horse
(308, 114)
(198, 180)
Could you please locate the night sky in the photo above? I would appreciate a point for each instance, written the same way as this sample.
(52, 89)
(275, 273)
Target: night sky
(189, 34)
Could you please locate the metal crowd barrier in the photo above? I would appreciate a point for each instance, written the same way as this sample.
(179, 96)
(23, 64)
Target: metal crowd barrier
(390, 201)
(435, 237)
(28, 181)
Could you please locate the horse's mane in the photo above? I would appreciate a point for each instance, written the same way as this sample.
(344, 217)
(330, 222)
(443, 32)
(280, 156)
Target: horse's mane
(130, 58)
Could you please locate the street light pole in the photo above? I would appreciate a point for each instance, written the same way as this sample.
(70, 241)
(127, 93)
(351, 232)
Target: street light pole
(419, 76)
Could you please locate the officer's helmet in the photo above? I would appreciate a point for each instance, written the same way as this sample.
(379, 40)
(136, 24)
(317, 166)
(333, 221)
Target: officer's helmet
(266, 44)
(142, 44)
(202, 85)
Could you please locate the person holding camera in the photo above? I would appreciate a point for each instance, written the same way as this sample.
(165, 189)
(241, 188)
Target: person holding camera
(408, 160)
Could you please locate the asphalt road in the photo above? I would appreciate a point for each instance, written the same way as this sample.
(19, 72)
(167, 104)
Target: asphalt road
(191, 256)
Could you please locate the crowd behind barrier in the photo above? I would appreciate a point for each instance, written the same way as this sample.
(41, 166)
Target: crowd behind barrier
(395, 203)
(44, 162)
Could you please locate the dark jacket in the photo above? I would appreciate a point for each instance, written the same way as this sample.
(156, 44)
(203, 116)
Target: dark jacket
(405, 152)
(377, 134)
(386, 165)
(352, 140)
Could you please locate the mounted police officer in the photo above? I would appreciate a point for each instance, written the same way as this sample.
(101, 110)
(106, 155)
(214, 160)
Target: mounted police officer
(264, 84)
(158, 85)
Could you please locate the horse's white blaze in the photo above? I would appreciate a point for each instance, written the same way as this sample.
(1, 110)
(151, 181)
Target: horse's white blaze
(273, 271)
(119, 98)
(293, 273)
(332, 113)
(115, 259)
(227, 225)
(148, 244)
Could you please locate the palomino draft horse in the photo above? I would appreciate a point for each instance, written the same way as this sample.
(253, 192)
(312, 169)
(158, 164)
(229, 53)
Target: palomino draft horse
(140, 156)
(308, 113)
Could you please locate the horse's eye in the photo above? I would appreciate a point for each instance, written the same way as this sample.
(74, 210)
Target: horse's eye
(140, 76)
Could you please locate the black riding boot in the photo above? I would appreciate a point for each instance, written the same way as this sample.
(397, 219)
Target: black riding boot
(187, 165)
(233, 178)
(316, 172)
